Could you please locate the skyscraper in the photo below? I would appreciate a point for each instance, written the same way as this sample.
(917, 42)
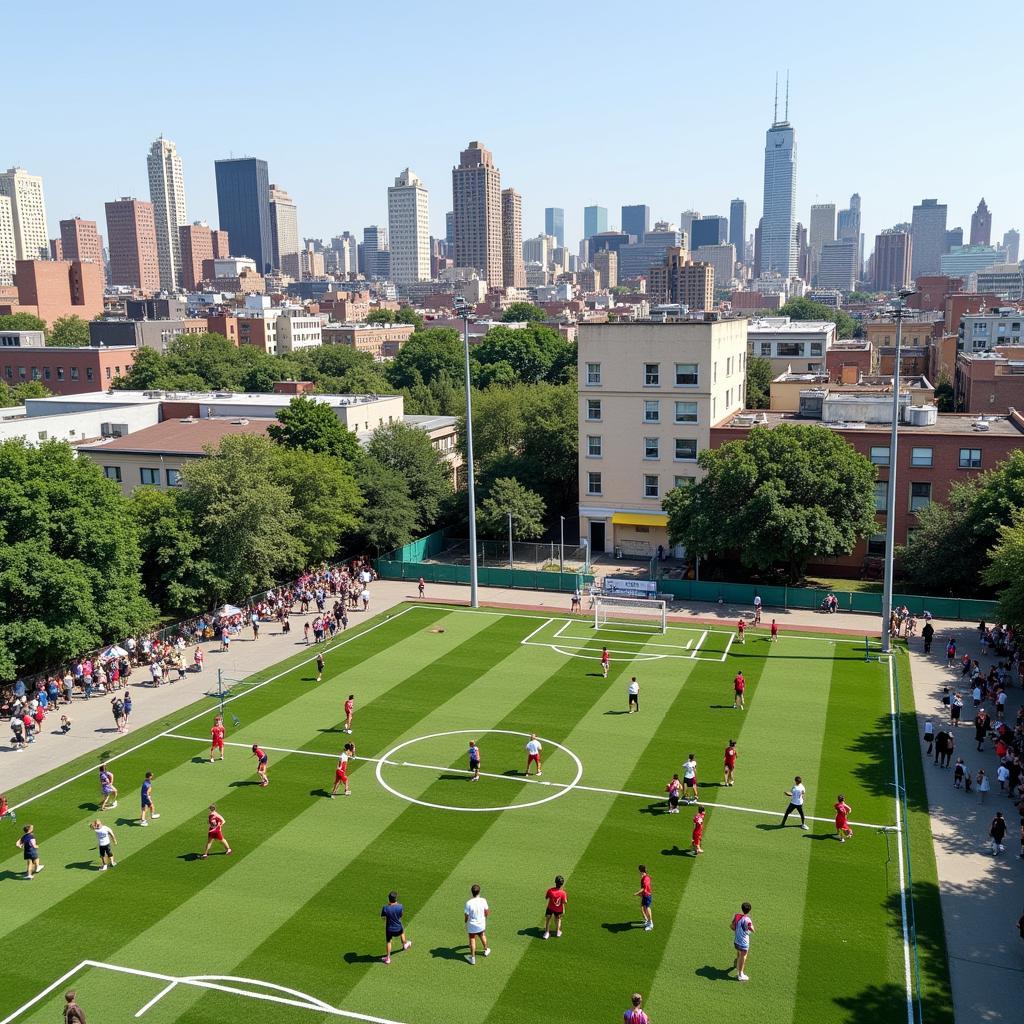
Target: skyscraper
(837, 267)
(822, 230)
(981, 225)
(409, 229)
(849, 220)
(929, 238)
(680, 281)
(8, 255)
(686, 219)
(28, 213)
(711, 230)
(513, 270)
(738, 226)
(243, 206)
(778, 225)
(375, 255)
(167, 194)
(595, 220)
(892, 260)
(636, 221)
(347, 253)
(196, 246)
(954, 239)
(476, 203)
(1011, 243)
(131, 235)
(284, 226)
(80, 240)
(554, 223)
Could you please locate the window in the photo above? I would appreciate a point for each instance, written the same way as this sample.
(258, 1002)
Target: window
(593, 408)
(684, 481)
(593, 373)
(594, 446)
(88, 373)
(686, 375)
(173, 477)
(46, 373)
(149, 476)
(881, 495)
(876, 544)
(36, 375)
(686, 412)
(652, 411)
(652, 375)
(766, 348)
(108, 373)
(112, 473)
(790, 348)
(815, 348)
(60, 373)
(970, 458)
(651, 489)
(21, 372)
(651, 448)
(920, 456)
(686, 448)
(880, 455)
(74, 373)
(593, 483)
(920, 496)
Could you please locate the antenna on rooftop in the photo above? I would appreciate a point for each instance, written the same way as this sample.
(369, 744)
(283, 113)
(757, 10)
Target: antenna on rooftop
(786, 118)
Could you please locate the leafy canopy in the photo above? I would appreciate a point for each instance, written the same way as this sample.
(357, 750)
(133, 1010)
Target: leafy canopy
(69, 332)
(759, 382)
(426, 356)
(313, 427)
(804, 309)
(517, 312)
(508, 495)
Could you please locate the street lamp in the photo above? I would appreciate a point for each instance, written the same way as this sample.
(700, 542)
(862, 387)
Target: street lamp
(462, 311)
(890, 510)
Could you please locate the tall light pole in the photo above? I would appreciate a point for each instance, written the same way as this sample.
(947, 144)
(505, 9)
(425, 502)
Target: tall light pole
(561, 546)
(510, 541)
(890, 501)
(462, 310)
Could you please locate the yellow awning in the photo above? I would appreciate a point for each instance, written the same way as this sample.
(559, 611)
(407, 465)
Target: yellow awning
(639, 519)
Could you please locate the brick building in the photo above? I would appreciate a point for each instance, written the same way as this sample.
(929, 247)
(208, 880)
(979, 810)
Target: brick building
(67, 371)
(131, 236)
(53, 288)
(990, 383)
(382, 341)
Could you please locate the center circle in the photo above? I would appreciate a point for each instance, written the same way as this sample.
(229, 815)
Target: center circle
(561, 789)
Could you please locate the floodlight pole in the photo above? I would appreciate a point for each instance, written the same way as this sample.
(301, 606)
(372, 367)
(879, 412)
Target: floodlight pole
(510, 541)
(561, 546)
(890, 503)
(462, 310)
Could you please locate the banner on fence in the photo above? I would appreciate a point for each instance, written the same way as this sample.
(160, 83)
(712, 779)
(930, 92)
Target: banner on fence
(628, 586)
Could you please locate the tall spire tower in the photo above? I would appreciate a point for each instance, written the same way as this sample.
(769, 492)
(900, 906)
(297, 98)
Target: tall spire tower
(778, 230)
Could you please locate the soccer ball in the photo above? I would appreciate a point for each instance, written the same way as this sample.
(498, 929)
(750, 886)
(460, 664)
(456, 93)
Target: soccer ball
(721, 600)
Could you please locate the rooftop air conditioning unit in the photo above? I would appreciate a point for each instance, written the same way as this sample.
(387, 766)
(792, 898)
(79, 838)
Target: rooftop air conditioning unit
(981, 425)
(239, 423)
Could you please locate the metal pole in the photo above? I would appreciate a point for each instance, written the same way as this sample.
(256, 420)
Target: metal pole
(470, 482)
(510, 541)
(561, 545)
(220, 693)
(890, 511)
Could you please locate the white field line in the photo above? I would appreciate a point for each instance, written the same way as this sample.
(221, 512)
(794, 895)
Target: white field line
(728, 645)
(530, 780)
(46, 991)
(204, 713)
(156, 999)
(543, 625)
(899, 850)
(700, 641)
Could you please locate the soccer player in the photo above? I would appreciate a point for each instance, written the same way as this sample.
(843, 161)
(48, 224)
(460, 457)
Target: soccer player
(757, 609)
(674, 788)
(474, 761)
(742, 929)
(729, 761)
(4, 809)
(104, 836)
(557, 899)
(392, 912)
(634, 695)
(217, 738)
(476, 913)
(690, 780)
(646, 898)
(741, 629)
(421, 587)
(261, 764)
(107, 788)
(635, 1013)
(30, 851)
(739, 688)
(605, 661)
(843, 809)
(533, 749)
(215, 831)
(774, 638)
(341, 772)
(350, 706)
(319, 667)
(146, 797)
(698, 829)
(796, 802)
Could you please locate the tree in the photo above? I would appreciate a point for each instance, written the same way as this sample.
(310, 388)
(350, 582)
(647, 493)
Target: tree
(426, 356)
(69, 558)
(312, 426)
(69, 332)
(857, 296)
(380, 316)
(803, 309)
(408, 315)
(389, 515)
(531, 351)
(777, 498)
(410, 452)
(1005, 571)
(509, 495)
(517, 312)
(944, 394)
(759, 382)
(21, 322)
(16, 395)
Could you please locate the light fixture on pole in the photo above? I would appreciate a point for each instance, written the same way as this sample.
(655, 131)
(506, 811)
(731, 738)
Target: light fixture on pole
(890, 503)
(462, 310)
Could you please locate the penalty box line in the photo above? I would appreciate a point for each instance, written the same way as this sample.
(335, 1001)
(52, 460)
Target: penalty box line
(524, 780)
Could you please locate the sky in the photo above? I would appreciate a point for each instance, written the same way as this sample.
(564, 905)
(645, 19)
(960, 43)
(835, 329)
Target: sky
(664, 103)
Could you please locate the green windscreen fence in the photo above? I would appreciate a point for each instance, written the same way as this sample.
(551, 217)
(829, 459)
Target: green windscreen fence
(515, 579)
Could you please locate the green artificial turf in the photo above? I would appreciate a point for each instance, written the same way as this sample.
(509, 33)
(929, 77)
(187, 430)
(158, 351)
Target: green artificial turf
(297, 904)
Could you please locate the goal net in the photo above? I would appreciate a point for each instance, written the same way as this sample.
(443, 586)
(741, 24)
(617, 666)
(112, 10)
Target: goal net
(630, 613)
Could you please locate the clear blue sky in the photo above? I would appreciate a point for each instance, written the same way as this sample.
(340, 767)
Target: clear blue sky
(663, 103)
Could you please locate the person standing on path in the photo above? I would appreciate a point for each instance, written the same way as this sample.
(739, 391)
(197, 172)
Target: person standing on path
(997, 833)
(394, 928)
(742, 929)
(929, 736)
(635, 1014)
(421, 587)
(30, 851)
(104, 838)
(981, 723)
(983, 785)
(646, 898)
(634, 696)
(475, 914)
(956, 705)
(926, 635)
(757, 609)
(948, 749)
(796, 803)
(72, 1011)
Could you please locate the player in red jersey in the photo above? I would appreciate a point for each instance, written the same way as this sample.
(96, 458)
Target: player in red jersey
(350, 706)
(698, 829)
(341, 772)
(217, 738)
(729, 762)
(605, 661)
(215, 831)
(261, 764)
(557, 899)
(843, 810)
(739, 688)
(774, 638)
(646, 898)
(741, 629)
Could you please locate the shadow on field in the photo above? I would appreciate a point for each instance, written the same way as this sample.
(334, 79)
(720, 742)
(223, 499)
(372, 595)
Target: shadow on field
(531, 933)
(89, 806)
(6, 875)
(451, 952)
(361, 958)
(80, 865)
(320, 792)
(873, 768)
(656, 808)
(616, 712)
(676, 851)
(712, 973)
(200, 760)
(238, 783)
(189, 857)
(615, 927)
(889, 1002)
(774, 828)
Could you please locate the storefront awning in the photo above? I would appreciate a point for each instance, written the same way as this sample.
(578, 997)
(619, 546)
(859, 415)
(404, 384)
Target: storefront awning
(639, 519)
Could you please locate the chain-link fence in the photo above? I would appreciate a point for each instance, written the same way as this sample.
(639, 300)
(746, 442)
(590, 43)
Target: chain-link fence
(548, 555)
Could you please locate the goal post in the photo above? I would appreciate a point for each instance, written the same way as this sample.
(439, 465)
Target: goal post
(636, 613)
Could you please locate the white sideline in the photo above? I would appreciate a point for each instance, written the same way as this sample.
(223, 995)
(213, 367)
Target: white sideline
(527, 780)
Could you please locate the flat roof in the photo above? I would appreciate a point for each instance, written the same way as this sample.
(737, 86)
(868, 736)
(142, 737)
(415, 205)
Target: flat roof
(947, 423)
(181, 436)
(793, 327)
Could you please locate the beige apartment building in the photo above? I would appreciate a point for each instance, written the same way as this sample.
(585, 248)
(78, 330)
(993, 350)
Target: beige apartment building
(649, 394)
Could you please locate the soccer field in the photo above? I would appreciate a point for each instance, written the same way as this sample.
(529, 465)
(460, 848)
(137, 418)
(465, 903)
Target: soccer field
(287, 928)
